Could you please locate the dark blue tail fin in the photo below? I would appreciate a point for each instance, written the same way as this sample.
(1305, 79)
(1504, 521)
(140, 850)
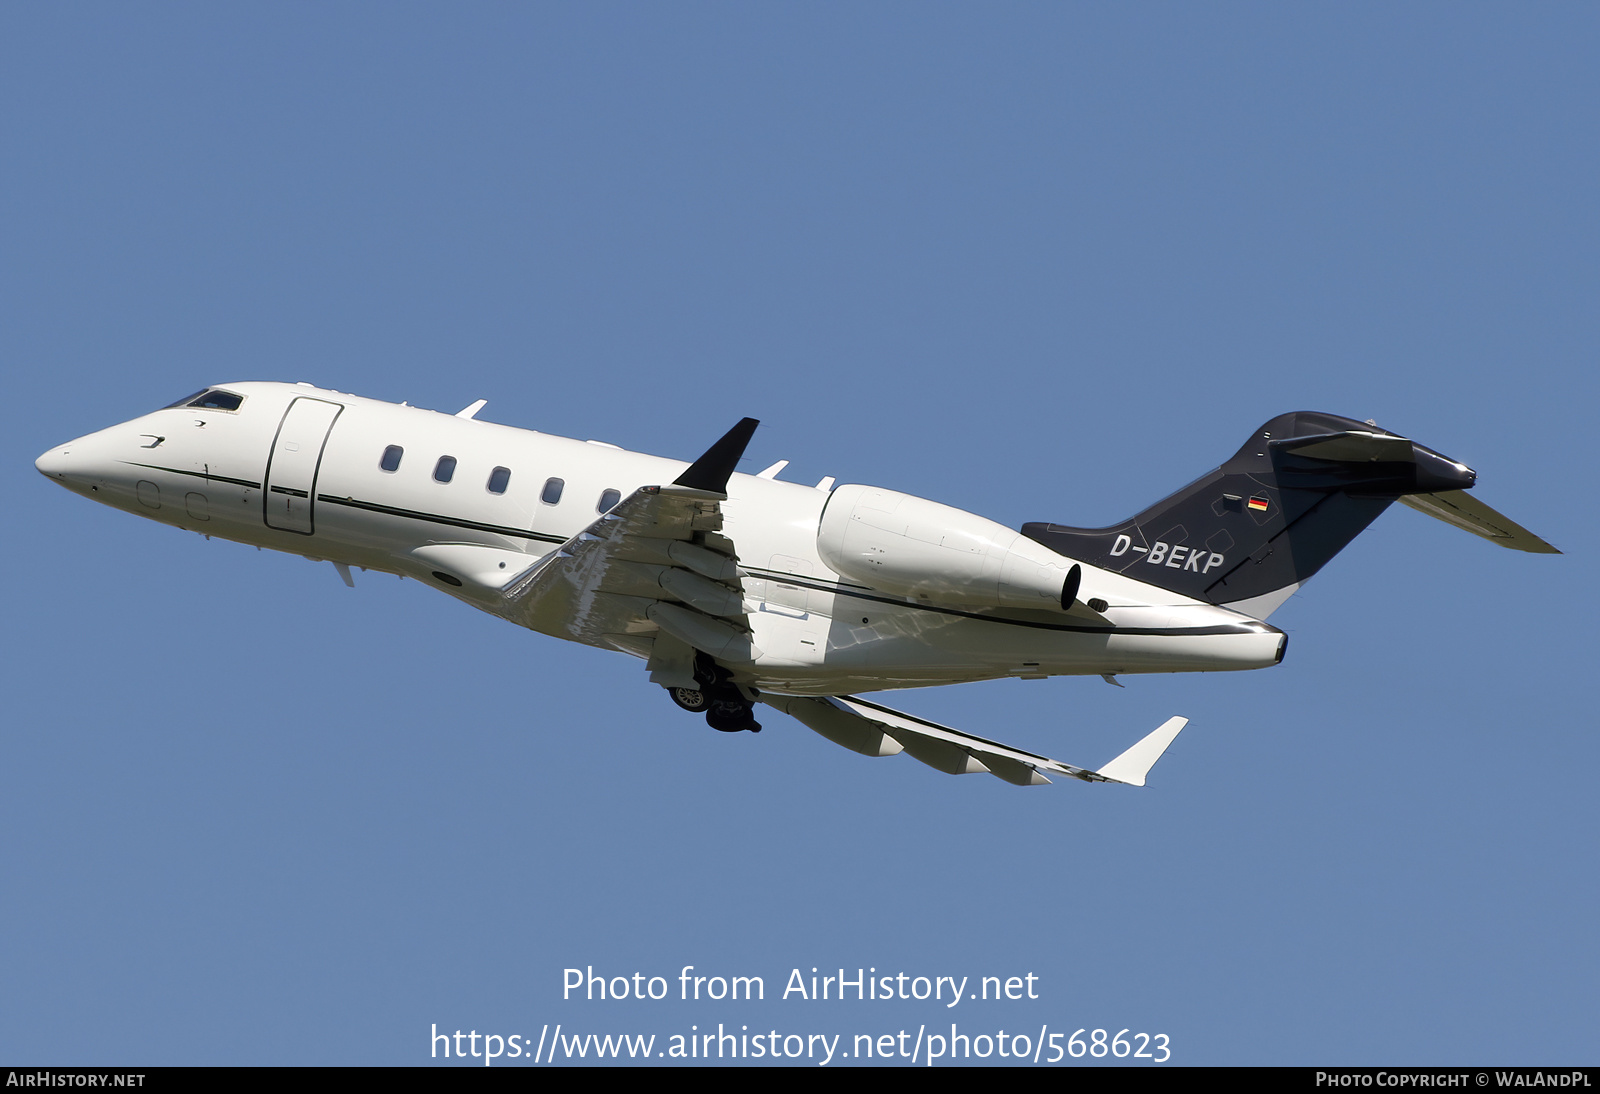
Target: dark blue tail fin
(1258, 527)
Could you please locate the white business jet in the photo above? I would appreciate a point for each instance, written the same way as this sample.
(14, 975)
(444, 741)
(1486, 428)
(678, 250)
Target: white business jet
(737, 589)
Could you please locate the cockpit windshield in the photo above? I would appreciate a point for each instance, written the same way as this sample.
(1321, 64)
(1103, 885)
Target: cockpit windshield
(210, 398)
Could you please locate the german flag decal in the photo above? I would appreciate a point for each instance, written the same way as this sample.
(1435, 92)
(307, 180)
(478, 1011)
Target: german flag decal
(1258, 505)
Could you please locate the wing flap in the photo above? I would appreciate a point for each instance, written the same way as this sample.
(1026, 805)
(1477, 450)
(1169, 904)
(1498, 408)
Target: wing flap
(838, 724)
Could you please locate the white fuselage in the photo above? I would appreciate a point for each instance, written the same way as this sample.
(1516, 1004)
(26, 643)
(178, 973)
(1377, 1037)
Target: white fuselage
(300, 469)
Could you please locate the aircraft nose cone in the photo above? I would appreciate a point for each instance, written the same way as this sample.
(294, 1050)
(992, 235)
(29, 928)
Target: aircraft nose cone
(71, 465)
(54, 463)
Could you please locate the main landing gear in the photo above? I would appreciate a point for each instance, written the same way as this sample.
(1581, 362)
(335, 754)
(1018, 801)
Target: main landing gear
(695, 702)
(725, 706)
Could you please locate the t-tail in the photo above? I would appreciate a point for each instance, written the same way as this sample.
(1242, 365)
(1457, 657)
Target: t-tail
(1250, 533)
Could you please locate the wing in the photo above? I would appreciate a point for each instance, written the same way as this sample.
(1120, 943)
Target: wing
(656, 562)
(874, 730)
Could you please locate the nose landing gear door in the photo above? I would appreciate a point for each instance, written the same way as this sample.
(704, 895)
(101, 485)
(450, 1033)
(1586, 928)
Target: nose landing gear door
(292, 465)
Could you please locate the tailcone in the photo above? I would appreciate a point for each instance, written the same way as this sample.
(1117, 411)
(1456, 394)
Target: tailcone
(1437, 472)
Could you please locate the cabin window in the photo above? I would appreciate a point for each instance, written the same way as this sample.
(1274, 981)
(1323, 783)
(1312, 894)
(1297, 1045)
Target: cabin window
(607, 500)
(499, 478)
(391, 458)
(445, 469)
(551, 494)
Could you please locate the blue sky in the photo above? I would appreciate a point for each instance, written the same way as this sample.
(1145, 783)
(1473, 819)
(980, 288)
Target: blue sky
(1042, 262)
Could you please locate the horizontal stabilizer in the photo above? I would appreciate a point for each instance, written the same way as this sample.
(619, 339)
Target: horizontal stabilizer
(1461, 509)
(1350, 446)
(874, 730)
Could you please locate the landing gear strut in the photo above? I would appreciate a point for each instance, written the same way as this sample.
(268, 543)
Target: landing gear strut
(726, 707)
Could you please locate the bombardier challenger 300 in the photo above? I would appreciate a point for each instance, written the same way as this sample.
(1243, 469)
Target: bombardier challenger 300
(740, 589)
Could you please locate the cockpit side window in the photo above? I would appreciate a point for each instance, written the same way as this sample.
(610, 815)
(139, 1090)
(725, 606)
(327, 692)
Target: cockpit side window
(209, 399)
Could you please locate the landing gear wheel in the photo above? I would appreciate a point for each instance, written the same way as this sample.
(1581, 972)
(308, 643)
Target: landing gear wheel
(728, 710)
(695, 702)
(732, 717)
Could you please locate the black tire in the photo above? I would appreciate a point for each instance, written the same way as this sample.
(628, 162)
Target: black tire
(727, 717)
(695, 702)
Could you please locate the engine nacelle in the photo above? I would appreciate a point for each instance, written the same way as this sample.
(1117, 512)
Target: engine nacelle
(913, 547)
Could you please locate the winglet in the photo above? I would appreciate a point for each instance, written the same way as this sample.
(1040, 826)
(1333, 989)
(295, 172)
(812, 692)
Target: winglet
(1133, 765)
(712, 470)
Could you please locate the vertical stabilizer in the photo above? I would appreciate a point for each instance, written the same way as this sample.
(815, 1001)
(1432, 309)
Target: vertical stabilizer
(1251, 532)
